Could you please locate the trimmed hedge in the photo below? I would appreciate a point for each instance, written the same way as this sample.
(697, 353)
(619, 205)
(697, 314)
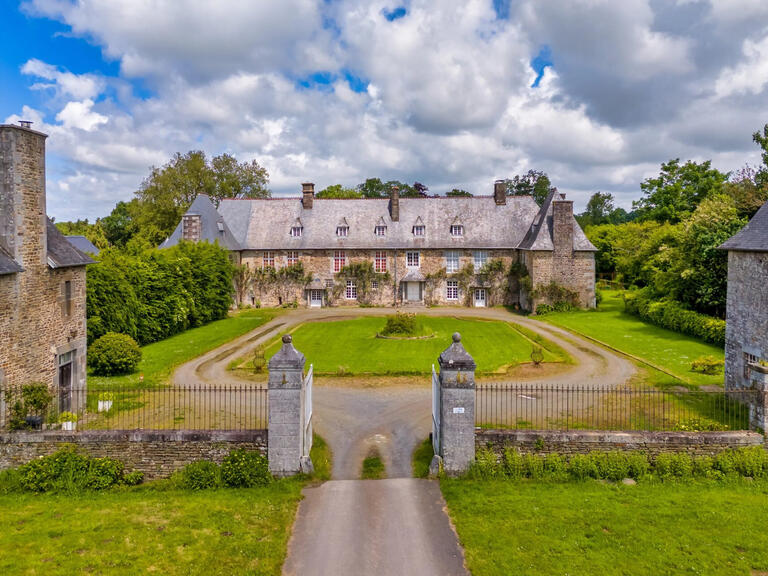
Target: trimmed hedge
(114, 354)
(673, 316)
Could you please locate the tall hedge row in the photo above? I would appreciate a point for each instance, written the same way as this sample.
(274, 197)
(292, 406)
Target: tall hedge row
(158, 293)
(673, 316)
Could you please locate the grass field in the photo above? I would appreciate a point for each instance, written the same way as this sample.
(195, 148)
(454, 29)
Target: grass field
(351, 347)
(592, 528)
(669, 350)
(160, 358)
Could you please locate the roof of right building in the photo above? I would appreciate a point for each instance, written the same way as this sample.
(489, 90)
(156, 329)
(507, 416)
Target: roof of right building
(753, 237)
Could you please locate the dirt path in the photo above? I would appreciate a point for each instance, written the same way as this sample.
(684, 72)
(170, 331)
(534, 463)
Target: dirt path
(351, 417)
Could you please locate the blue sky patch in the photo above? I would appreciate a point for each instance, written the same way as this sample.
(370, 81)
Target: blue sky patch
(356, 83)
(394, 14)
(541, 62)
(501, 7)
(321, 81)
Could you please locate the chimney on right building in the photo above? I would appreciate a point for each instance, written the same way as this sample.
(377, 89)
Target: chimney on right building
(500, 192)
(307, 195)
(562, 225)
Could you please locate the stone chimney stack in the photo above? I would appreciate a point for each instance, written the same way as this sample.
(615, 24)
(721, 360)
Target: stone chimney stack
(500, 192)
(22, 195)
(307, 195)
(394, 204)
(562, 226)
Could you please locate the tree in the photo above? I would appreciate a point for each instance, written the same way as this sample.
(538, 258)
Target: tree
(598, 211)
(533, 183)
(93, 232)
(457, 192)
(748, 195)
(338, 191)
(373, 188)
(678, 190)
(761, 178)
(168, 191)
(121, 224)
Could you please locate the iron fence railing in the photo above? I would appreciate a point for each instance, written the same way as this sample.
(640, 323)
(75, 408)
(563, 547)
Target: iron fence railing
(564, 407)
(194, 407)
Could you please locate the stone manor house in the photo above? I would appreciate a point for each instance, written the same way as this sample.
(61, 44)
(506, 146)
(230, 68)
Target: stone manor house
(420, 247)
(42, 278)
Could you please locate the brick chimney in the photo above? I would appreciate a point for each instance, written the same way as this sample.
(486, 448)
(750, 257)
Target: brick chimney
(394, 204)
(307, 195)
(562, 226)
(22, 195)
(500, 192)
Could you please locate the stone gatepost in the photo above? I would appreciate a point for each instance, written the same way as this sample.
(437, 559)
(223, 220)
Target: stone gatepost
(457, 407)
(287, 396)
(758, 409)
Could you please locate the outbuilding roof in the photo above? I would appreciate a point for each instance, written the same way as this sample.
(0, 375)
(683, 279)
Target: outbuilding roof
(61, 253)
(7, 264)
(213, 227)
(540, 237)
(83, 244)
(753, 237)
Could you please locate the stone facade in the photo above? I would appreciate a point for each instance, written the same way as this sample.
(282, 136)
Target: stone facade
(42, 307)
(746, 329)
(156, 454)
(584, 441)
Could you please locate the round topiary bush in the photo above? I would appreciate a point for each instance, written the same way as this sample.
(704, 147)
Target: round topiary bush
(113, 353)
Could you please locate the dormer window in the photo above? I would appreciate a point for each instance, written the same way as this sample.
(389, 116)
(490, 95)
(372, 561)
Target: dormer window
(342, 231)
(457, 230)
(296, 231)
(419, 230)
(380, 230)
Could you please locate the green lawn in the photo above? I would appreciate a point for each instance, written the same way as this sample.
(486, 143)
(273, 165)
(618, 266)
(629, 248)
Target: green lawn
(144, 531)
(160, 358)
(351, 346)
(590, 528)
(669, 350)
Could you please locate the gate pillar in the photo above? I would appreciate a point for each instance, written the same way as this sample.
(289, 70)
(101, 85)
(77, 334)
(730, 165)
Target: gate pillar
(286, 397)
(457, 407)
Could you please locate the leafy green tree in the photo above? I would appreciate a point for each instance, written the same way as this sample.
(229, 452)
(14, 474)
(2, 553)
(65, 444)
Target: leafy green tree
(457, 192)
(94, 232)
(373, 188)
(338, 191)
(233, 179)
(678, 190)
(598, 211)
(748, 195)
(533, 183)
(121, 224)
(762, 141)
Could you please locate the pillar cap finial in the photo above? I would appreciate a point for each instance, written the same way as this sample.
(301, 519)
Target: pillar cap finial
(456, 337)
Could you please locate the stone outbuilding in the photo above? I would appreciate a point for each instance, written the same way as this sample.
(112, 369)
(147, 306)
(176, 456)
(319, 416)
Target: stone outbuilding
(438, 250)
(42, 279)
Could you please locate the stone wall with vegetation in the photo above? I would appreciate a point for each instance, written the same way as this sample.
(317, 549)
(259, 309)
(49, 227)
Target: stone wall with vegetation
(585, 441)
(156, 454)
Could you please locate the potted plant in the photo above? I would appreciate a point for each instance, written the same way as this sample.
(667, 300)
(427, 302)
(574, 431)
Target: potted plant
(68, 421)
(105, 401)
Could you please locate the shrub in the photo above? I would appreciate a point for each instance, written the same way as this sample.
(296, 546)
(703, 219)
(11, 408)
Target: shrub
(615, 466)
(68, 417)
(514, 467)
(638, 464)
(485, 465)
(542, 309)
(103, 473)
(32, 400)
(556, 466)
(243, 469)
(673, 465)
(598, 297)
(201, 475)
(70, 471)
(133, 478)
(402, 324)
(534, 466)
(725, 462)
(259, 360)
(581, 467)
(707, 365)
(673, 316)
(752, 462)
(537, 355)
(114, 353)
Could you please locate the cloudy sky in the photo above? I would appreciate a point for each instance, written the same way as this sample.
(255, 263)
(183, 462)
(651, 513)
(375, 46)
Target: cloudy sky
(597, 93)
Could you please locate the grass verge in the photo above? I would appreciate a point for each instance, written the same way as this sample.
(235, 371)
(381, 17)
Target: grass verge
(350, 347)
(422, 458)
(585, 528)
(373, 466)
(159, 359)
(668, 350)
(322, 458)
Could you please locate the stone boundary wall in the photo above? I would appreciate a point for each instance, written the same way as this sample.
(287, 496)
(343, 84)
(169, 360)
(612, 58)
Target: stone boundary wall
(584, 441)
(158, 454)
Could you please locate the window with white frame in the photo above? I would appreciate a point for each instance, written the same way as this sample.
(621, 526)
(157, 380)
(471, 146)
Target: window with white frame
(452, 290)
(268, 260)
(380, 230)
(452, 261)
(419, 230)
(339, 260)
(292, 258)
(351, 291)
(380, 261)
(296, 231)
(457, 230)
(480, 258)
(342, 231)
(412, 259)
(374, 284)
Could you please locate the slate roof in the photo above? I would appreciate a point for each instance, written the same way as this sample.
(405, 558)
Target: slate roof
(753, 237)
(265, 224)
(7, 264)
(539, 235)
(62, 254)
(83, 244)
(213, 226)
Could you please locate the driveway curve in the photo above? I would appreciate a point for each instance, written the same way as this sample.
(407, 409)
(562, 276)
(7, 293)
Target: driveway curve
(393, 418)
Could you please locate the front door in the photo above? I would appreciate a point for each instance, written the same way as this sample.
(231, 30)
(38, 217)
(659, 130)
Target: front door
(65, 387)
(412, 291)
(315, 298)
(480, 297)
